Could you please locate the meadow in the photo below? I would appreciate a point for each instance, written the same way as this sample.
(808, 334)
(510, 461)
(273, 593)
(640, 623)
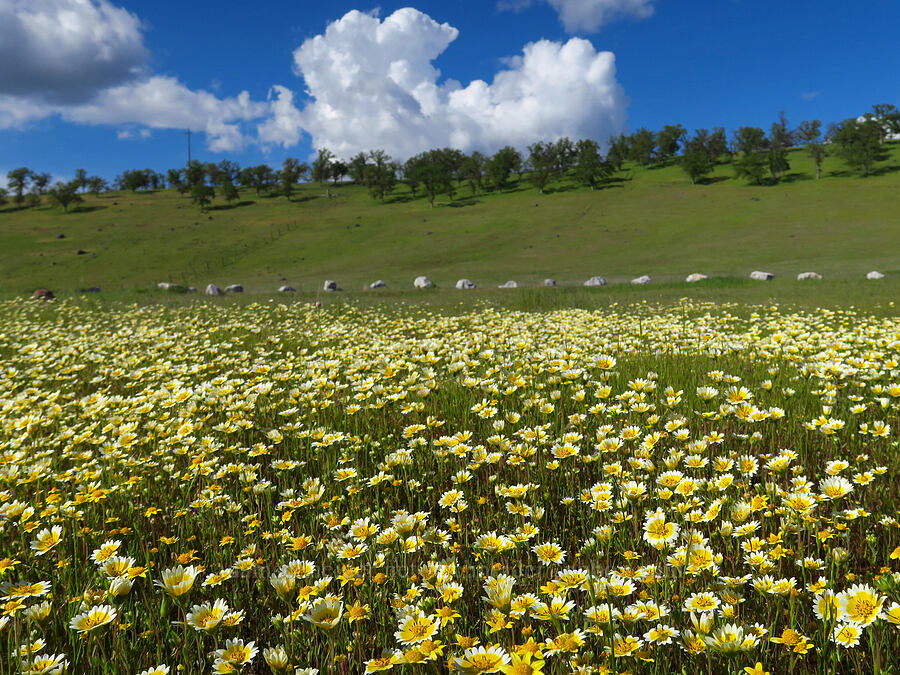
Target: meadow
(643, 221)
(629, 487)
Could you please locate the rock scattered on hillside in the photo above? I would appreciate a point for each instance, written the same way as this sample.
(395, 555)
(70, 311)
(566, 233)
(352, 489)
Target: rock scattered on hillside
(377, 284)
(234, 288)
(212, 289)
(464, 284)
(803, 276)
(330, 286)
(549, 282)
(595, 281)
(874, 275)
(287, 289)
(761, 276)
(696, 276)
(509, 284)
(642, 280)
(422, 282)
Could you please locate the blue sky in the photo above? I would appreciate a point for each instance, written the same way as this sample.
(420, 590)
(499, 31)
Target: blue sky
(112, 84)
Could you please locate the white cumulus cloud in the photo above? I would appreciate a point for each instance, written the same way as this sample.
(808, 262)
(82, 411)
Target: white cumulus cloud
(164, 103)
(372, 85)
(283, 126)
(588, 15)
(63, 51)
(85, 61)
(591, 15)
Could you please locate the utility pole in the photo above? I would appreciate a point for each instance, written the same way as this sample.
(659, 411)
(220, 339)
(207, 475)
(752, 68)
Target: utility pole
(189, 146)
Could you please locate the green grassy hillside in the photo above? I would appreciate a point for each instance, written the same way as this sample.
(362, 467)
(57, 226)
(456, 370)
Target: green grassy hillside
(646, 221)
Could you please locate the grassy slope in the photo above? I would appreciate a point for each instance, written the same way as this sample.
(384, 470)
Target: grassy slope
(656, 223)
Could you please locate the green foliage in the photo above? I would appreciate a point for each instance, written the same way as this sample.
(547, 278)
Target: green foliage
(590, 168)
(322, 166)
(230, 192)
(137, 179)
(566, 152)
(259, 177)
(860, 143)
(748, 140)
(617, 152)
(202, 195)
(65, 194)
(471, 170)
(543, 160)
(380, 174)
(39, 182)
(810, 132)
(357, 168)
(195, 173)
(500, 167)
(669, 140)
(753, 165)
(642, 146)
(435, 171)
(17, 179)
(696, 160)
(292, 171)
(96, 185)
(81, 179)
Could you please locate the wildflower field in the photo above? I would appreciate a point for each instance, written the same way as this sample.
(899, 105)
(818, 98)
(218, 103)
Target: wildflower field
(681, 488)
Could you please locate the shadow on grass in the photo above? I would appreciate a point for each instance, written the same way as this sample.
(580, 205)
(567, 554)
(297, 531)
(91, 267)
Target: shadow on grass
(401, 199)
(561, 188)
(306, 198)
(794, 177)
(462, 203)
(228, 207)
(712, 180)
(87, 209)
(885, 170)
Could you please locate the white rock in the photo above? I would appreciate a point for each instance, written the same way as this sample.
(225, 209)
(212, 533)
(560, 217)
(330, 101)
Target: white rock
(330, 286)
(287, 289)
(509, 284)
(377, 284)
(234, 288)
(803, 276)
(549, 282)
(761, 276)
(464, 284)
(874, 275)
(696, 276)
(641, 280)
(192, 289)
(212, 289)
(595, 281)
(164, 285)
(422, 282)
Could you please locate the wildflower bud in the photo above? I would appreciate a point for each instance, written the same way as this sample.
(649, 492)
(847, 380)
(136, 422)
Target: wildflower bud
(277, 659)
(703, 622)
